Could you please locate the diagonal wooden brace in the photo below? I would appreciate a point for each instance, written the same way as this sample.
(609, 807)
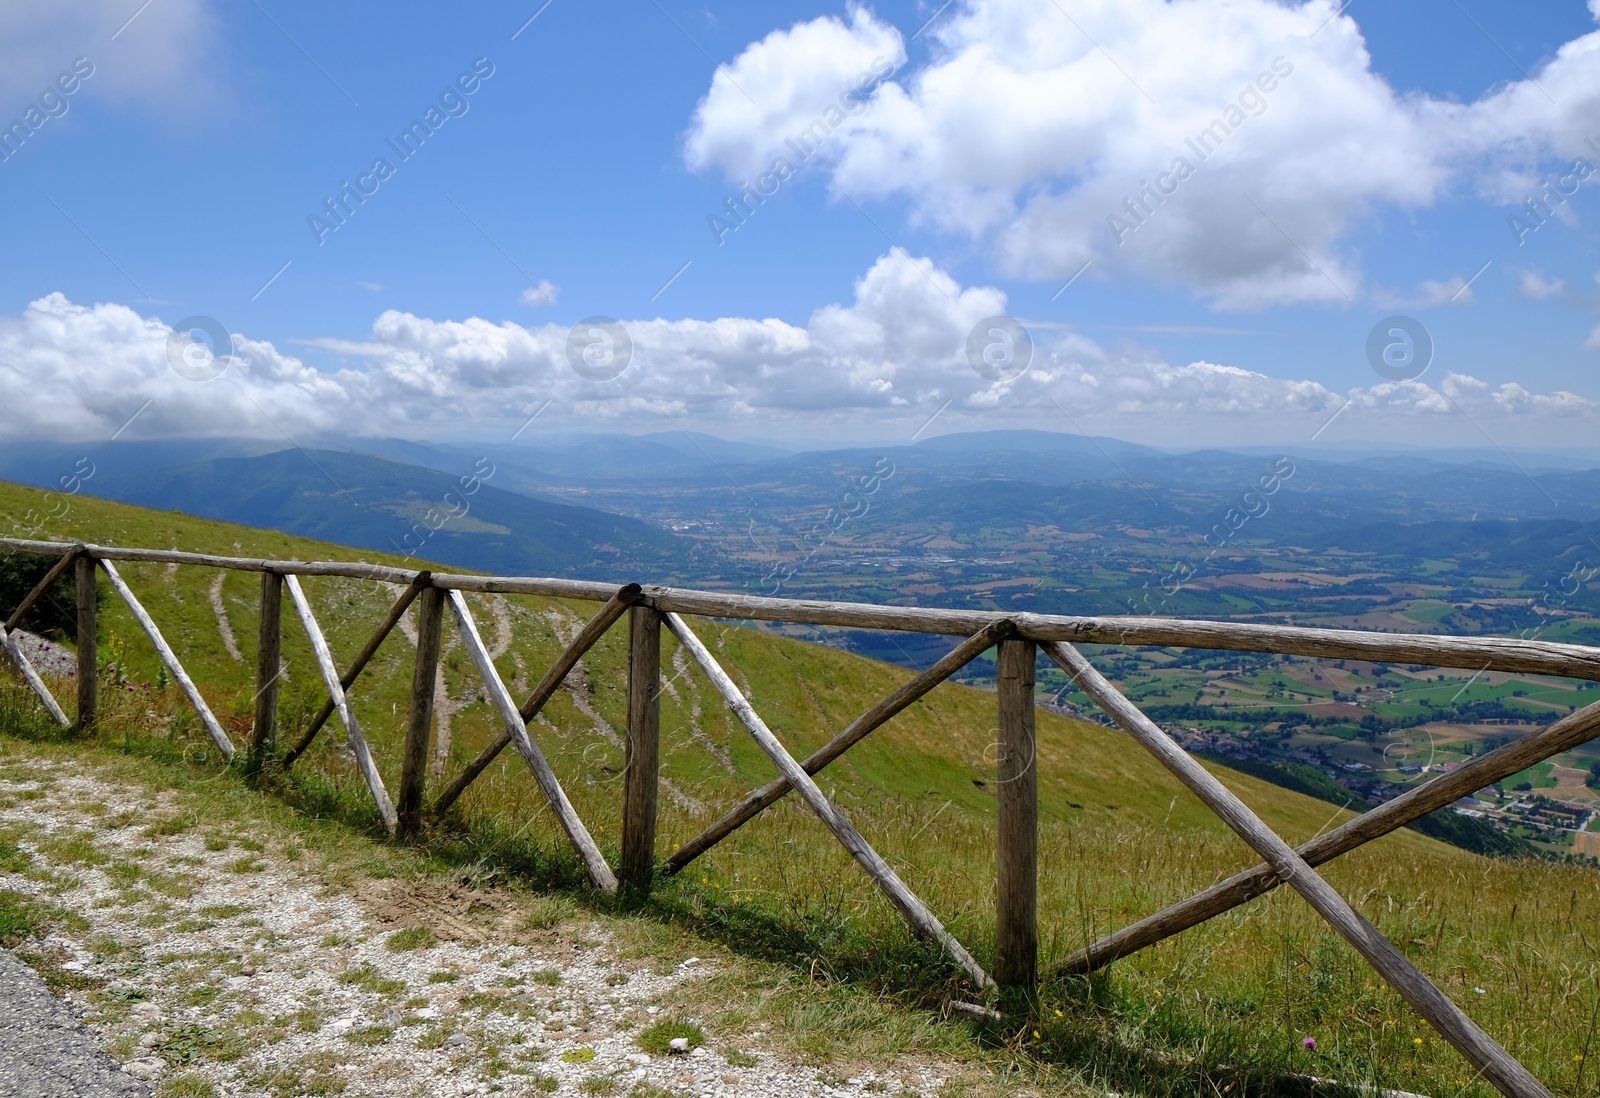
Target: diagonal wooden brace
(67, 560)
(591, 633)
(1481, 1050)
(31, 676)
(357, 665)
(1569, 732)
(594, 862)
(352, 729)
(904, 900)
(170, 659)
(757, 802)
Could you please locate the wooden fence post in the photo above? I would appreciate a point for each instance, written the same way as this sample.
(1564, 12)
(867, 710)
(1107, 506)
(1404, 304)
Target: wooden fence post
(642, 765)
(268, 667)
(419, 726)
(88, 646)
(1016, 957)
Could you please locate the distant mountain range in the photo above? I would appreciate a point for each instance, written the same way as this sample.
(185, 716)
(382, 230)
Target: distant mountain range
(692, 508)
(369, 503)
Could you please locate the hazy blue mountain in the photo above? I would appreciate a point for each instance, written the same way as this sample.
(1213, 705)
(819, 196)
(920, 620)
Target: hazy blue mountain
(370, 503)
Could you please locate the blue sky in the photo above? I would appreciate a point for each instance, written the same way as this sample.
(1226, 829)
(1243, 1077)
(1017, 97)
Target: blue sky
(182, 175)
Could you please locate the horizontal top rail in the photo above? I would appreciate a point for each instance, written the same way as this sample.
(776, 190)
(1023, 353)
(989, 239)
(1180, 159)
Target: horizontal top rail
(1508, 654)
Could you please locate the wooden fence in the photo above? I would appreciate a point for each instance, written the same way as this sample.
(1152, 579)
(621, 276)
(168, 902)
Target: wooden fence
(1019, 638)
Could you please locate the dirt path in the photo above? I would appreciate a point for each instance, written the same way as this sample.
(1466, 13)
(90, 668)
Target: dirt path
(229, 641)
(195, 951)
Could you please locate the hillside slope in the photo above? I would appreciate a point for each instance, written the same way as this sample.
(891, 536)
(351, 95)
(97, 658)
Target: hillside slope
(1119, 837)
(371, 503)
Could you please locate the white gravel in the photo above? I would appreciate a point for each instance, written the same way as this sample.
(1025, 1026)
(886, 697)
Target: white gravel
(234, 966)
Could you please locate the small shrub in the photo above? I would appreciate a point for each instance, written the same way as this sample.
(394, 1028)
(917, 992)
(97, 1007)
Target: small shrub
(20, 918)
(369, 1035)
(657, 1039)
(370, 979)
(412, 937)
(578, 1056)
(186, 1086)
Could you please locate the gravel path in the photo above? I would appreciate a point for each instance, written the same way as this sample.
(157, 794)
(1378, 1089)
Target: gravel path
(44, 1050)
(194, 952)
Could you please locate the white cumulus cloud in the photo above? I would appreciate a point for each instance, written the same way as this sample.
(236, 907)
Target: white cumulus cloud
(895, 353)
(1031, 129)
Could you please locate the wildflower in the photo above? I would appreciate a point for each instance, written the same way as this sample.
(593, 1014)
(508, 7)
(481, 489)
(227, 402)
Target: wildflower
(1309, 1042)
(1417, 1041)
(1059, 1014)
(1035, 1035)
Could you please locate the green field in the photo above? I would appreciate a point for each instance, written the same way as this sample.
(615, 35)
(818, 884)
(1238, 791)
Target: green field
(1119, 837)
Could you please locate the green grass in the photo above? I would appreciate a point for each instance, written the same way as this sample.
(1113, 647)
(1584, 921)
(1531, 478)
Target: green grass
(657, 1039)
(1118, 837)
(412, 937)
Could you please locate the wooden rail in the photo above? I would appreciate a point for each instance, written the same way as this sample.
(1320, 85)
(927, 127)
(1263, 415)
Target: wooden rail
(1017, 639)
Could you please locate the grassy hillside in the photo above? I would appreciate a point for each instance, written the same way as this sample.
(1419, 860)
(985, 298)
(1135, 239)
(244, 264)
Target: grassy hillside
(378, 504)
(1119, 837)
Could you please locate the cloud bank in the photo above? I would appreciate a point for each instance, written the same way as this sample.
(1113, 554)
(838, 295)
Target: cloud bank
(891, 356)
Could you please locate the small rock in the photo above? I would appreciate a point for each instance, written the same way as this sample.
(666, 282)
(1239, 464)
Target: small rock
(149, 1041)
(247, 970)
(427, 1012)
(638, 1057)
(730, 1079)
(679, 1044)
(652, 1010)
(456, 1040)
(145, 1067)
(697, 1052)
(73, 966)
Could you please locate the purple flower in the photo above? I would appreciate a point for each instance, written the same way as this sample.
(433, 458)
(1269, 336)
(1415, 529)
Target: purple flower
(1309, 1042)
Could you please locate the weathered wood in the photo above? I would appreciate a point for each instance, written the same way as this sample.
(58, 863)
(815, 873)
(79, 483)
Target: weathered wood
(614, 608)
(419, 721)
(348, 569)
(269, 664)
(170, 659)
(1477, 653)
(753, 804)
(88, 599)
(1481, 1050)
(56, 571)
(904, 900)
(1016, 955)
(357, 665)
(352, 729)
(594, 862)
(31, 677)
(642, 767)
(1569, 732)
